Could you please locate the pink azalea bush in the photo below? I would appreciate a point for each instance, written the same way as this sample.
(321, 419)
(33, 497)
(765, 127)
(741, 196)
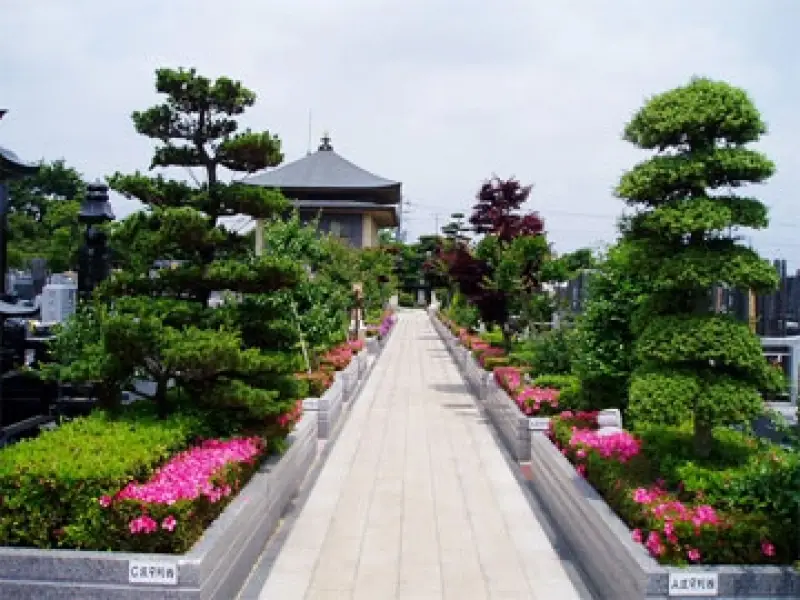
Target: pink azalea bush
(172, 508)
(531, 400)
(338, 357)
(674, 526)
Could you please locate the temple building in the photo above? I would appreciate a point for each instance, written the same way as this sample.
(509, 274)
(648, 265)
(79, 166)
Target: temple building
(350, 202)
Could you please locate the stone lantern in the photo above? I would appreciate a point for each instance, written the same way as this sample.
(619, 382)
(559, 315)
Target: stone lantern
(94, 262)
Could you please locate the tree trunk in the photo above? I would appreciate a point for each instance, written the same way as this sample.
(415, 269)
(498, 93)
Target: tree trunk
(507, 339)
(160, 397)
(703, 439)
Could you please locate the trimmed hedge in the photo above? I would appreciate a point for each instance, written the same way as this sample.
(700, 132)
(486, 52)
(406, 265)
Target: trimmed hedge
(49, 485)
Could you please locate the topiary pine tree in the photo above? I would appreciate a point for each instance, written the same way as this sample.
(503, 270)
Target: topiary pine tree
(161, 325)
(695, 362)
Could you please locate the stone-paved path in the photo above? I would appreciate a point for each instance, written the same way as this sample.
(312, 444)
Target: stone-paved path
(416, 500)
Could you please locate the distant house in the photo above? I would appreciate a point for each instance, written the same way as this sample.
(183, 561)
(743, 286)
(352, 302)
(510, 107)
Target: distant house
(350, 202)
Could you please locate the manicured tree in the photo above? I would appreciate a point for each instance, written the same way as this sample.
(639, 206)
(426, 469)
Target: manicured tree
(694, 361)
(162, 324)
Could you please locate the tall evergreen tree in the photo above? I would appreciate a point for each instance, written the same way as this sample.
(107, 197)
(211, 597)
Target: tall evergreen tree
(694, 361)
(160, 324)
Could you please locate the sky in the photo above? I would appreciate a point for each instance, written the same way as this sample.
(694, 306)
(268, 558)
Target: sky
(439, 95)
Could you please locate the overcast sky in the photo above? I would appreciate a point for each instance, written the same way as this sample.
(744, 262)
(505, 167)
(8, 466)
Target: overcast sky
(438, 94)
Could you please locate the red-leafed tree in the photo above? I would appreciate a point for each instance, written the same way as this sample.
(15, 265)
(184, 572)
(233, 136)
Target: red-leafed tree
(501, 273)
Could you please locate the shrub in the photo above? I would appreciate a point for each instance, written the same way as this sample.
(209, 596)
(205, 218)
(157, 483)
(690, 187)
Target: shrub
(644, 479)
(532, 400)
(49, 485)
(569, 386)
(171, 510)
(490, 363)
(550, 352)
(406, 299)
(318, 381)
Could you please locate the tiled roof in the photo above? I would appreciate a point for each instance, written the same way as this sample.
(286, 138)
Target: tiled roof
(324, 170)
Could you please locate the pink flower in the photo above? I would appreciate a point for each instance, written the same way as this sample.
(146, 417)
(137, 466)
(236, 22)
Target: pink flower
(767, 548)
(642, 496)
(581, 453)
(636, 536)
(169, 523)
(693, 555)
(621, 446)
(104, 501)
(143, 524)
(581, 469)
(188, 475)
(654, 545)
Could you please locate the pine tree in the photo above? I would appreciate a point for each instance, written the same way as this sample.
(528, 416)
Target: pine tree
(694, 361)
(160, 324)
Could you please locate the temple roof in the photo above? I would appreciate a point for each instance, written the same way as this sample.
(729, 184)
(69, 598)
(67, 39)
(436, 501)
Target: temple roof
(12, 167)
(327, 171)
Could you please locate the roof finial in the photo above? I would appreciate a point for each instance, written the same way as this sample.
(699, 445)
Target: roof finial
(326, 142)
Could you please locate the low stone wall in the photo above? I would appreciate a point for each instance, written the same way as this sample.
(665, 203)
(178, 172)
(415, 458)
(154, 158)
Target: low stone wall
(349, 376)
(514, 427)
(216, 567)
(476, 376)
(373, 345)
(619, 568)
(328, 408)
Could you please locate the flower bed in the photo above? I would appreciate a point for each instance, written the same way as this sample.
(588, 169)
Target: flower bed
(681, 511)
(215, 566)
(41, 505)
(172, 509)
(532, 400)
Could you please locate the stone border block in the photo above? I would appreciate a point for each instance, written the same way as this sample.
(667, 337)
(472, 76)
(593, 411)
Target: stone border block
(615, 565)
(349, 376)
(373, 345)
(476, 376)
(328, 408)
(216, 567)
(513, 425)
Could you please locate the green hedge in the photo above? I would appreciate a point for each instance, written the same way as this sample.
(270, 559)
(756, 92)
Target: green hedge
(49, 485)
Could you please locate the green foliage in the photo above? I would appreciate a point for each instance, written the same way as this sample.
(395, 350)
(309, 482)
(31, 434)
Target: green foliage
(80, 355)
(571, 397)
(49, 485)
(406, 299)
(462, 312)
(160, 325)
(551, 352)
(604, 356)
(662, 396)
(682, 245)
(751, 486)
(741, 474)
(43, 217)
(490, 363)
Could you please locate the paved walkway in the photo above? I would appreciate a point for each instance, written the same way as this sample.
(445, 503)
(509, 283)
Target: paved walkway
(416, 500)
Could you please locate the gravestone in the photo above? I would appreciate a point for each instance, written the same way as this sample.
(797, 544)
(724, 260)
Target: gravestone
(59, 301)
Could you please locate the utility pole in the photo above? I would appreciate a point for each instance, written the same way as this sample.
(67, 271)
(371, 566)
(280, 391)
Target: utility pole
(435, 223)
